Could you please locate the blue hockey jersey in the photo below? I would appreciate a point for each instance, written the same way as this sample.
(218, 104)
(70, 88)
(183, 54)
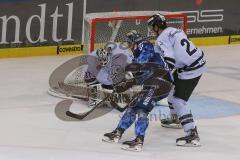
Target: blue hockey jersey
(144, 53)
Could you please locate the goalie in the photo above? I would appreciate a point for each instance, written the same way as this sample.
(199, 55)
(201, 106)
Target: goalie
(105, 68)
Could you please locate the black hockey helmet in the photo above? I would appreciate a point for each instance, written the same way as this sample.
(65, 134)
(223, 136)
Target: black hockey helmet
(157, 20)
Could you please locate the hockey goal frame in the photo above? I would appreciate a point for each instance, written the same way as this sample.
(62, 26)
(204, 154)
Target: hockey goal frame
(95, 20)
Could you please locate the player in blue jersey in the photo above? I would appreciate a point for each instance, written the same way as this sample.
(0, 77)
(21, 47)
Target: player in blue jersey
(143, 50)
(152, 71)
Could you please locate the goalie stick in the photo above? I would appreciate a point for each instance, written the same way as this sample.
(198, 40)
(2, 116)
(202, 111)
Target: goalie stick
(78, 91)
(62, 109)
(102, 108)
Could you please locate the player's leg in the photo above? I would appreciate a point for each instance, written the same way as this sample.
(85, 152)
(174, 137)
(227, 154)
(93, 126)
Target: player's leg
(126, 121)
(172, 120)
(141, 126)
(144, 106)
(183, 91)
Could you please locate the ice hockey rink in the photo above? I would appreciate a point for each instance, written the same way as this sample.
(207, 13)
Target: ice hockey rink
(30, 130)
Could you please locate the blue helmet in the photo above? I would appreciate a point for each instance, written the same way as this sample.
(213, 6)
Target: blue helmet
(133, 36)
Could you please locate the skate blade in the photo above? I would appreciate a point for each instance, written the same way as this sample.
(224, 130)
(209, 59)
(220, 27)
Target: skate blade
(172, 126)
(194, 143)
(106, 139)
(137, 148)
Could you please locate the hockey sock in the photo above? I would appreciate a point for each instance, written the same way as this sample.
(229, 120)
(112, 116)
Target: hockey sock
(142, 123)
(184, 114)
(128, 118)
(170, 102)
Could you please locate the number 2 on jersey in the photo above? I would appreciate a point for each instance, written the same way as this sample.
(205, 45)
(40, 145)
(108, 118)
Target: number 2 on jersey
(186, 42)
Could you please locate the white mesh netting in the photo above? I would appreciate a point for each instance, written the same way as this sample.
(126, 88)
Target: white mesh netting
(113, 26)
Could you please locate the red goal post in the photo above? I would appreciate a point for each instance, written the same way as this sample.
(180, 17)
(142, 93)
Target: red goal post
(113, 26)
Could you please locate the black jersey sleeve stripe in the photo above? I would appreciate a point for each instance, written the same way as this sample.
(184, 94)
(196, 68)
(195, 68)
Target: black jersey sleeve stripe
(169, 59)
(170, 65)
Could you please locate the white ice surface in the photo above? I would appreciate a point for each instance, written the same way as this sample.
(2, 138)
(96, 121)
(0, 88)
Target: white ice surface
(29, 129)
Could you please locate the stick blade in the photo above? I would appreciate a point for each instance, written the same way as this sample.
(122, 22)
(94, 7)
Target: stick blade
(99, 110)
(61, 108)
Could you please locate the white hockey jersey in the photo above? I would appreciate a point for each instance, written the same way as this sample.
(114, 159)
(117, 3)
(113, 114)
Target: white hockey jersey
(180, 53)
(119, 58)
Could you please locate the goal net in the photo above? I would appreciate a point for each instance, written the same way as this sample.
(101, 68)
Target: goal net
(113, 26)
(100, 28)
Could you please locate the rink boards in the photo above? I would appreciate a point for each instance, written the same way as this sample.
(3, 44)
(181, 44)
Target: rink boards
(77, 49)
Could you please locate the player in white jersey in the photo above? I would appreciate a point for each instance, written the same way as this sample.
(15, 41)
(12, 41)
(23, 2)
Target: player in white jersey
(187, 61)
(104, 65)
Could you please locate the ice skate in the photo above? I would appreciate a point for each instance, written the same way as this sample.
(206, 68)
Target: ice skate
(191, 140)
(172, 122)
(114, 136)
(134, 145)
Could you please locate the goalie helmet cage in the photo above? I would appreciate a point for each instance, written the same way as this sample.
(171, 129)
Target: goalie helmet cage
(101, 28)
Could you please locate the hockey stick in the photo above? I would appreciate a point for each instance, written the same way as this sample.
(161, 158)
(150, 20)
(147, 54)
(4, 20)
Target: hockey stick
(130, 103)
(106, 106)
(80, 92)
(102, 108)
(99, 110)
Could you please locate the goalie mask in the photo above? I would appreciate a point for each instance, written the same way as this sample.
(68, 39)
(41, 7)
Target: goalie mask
(103, 56)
